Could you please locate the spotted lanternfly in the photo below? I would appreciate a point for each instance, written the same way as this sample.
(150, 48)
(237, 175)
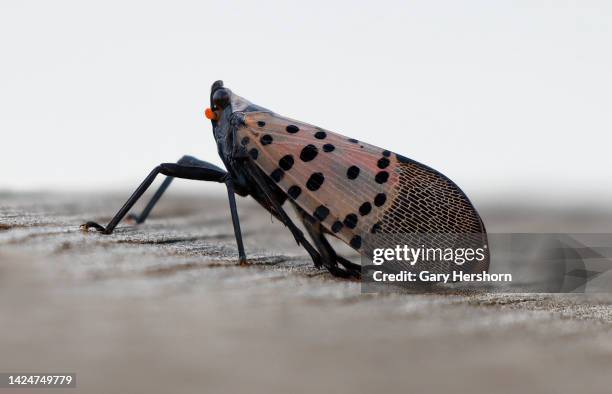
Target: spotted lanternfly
(339, 186)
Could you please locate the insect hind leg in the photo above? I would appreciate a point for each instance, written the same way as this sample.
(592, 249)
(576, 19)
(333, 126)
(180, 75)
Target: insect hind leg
(329, 256)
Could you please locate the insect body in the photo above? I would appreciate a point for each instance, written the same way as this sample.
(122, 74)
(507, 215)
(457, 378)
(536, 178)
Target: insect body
(339, 186)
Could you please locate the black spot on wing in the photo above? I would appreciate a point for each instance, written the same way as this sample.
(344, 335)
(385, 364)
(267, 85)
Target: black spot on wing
(261, 123)
(321, 212)
(309, 152)
(277, 175)
(245, 141)
(320, 135)
(352, 172)
(356, 242)
(386, 153)
(352, 140)
(266, 139)
(315, 181)
(382, 177)
(365, 208)
(294, 192)
(351, 220)
(254, 153)
(292, 129)
(328, 148)
(383, 162)
(337, 226)
(376, 228)
(286, 162)
(380, 199)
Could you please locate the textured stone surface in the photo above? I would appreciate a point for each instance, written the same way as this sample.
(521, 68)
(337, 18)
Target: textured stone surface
(162, 307)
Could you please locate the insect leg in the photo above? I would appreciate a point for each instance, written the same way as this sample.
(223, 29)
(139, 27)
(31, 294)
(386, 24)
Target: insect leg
(235, 220)
(169, 169)
(185, 160)
(284, 218)
(328, 254)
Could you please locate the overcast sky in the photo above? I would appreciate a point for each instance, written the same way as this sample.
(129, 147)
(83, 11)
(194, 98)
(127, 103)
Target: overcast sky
(502, 96)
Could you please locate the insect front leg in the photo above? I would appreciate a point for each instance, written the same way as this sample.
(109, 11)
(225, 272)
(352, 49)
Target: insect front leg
(189, 168)
(185, 160)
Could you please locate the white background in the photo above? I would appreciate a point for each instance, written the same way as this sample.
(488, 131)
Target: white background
(505, 97)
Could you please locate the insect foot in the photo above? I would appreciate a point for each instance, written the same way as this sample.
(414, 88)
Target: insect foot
(88, 225)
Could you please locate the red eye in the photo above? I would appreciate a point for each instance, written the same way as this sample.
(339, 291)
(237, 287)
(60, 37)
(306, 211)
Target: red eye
(210, 114)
